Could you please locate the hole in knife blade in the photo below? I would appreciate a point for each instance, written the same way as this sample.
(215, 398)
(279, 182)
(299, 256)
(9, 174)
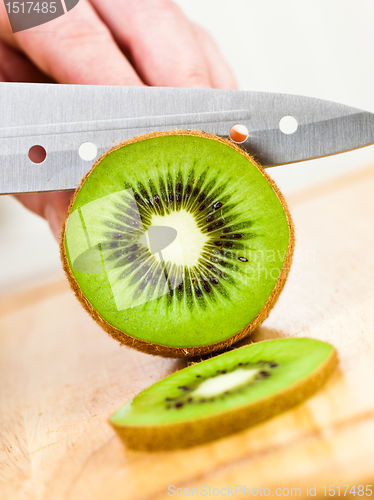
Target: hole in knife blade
(238, 133)
(288, 125)
(37, 154)
(87, 151)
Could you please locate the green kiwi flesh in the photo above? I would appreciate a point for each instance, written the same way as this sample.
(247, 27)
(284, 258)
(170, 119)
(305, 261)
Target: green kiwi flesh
(225, 394)
(216, 281)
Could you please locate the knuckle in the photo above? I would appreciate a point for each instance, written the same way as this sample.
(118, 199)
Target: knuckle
(79, 35)
(77, 46)
(159, 9)
(194, 75)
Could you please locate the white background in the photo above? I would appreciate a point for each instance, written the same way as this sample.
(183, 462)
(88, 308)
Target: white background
(319, 48)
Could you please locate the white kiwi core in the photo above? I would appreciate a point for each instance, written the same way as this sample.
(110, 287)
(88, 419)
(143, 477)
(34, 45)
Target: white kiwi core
(187, 247)
(225, 382)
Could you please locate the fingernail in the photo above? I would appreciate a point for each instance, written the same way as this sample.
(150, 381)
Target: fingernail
(53, 220)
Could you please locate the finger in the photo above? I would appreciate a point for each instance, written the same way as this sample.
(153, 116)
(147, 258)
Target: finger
(52, 206)
(15, 67)
(160, 39)
(78, 48)
(220, 72)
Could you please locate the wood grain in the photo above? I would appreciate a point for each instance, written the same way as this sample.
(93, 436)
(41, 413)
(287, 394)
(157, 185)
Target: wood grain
(61, 377)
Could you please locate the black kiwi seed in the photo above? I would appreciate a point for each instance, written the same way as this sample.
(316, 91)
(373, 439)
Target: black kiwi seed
(202, 197)
(264, 373)
(198, 376)
(210, 218)
(198, 292)
(231, 236)
(273, 365)
(180, 287)
(183, 388)
(156, 198)
(213, 280)
(202, 207)
(188, 189)
(131, 257)
(206, 287)
(178, 198)
(219, 223)
(131, 213)
(179, 404)
(134, 247)
(120, 207)
(179, 187)
(121, 218)
(171, 197)
(217, 205)
(114, 225)
(242, 259)
(218, 243)
(117, 254)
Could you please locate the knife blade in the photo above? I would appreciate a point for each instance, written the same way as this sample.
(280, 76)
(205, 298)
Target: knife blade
(62, 117)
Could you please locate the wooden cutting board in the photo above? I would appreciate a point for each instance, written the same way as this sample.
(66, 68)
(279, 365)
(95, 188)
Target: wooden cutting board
(61, 377)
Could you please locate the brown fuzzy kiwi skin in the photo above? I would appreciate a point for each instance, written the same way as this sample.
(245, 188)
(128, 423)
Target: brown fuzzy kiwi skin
(181, 352)
(203, 430)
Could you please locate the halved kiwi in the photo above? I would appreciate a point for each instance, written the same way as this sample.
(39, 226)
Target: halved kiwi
(177, 243)
(225, 394)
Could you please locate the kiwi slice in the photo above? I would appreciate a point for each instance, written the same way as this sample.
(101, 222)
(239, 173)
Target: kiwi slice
(225, 394)
(177, 243)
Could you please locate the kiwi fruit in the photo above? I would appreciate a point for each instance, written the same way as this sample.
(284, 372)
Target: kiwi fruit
(177, 243)
(225, 394)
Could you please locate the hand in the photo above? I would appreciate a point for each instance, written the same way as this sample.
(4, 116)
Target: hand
(116, 42)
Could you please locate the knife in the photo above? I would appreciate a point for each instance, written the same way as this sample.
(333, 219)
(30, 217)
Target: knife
(60, 118)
